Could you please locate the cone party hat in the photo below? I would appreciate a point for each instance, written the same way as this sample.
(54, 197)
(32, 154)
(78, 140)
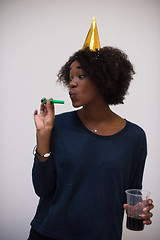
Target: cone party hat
(92, 39)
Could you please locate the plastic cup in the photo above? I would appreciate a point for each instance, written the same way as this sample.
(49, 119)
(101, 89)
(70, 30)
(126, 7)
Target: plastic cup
(137, 201)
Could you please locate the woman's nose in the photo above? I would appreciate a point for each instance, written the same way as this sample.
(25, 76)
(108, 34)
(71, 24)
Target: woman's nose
(73, 83)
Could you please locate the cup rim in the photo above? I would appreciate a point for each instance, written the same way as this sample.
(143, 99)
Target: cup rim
(143, 191)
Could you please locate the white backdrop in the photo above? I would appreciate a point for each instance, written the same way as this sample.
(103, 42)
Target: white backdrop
(36, 38)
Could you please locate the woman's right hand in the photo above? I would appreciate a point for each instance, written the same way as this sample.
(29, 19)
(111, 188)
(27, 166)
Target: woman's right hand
(44, 122)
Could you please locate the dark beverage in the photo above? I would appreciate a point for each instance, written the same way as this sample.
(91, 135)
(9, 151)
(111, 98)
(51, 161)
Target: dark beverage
(135, 224)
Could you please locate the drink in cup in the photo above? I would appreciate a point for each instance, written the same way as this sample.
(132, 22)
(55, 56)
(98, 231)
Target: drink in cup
(137, 200)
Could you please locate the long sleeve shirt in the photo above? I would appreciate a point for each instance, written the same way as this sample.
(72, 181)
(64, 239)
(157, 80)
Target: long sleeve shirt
(82, 184)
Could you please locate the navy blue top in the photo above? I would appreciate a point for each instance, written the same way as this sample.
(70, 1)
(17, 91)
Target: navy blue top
(82, 184)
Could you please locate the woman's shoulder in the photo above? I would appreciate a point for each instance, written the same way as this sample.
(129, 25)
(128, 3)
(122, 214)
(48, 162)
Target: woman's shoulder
(136, 129)
(65, 115)
(65, 119)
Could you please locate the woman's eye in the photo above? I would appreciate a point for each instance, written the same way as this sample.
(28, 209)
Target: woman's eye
(81, 76)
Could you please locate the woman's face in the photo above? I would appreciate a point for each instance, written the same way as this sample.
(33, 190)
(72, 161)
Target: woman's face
(82, 90)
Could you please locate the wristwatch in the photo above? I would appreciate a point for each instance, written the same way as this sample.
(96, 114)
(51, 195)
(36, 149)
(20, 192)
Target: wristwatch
(36, 152)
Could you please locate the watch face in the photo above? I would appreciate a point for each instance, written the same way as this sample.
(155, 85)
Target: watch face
(47, 154)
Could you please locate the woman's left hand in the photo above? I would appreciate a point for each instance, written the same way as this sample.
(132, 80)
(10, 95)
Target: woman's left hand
(146, 215)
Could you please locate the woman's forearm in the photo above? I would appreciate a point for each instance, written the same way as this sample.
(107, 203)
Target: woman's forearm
(43, 177)
(43, 144)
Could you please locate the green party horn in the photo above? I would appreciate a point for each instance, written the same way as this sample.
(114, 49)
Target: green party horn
(43, 100)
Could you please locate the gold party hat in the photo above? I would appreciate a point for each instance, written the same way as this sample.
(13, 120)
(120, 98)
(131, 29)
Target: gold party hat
(92, 39)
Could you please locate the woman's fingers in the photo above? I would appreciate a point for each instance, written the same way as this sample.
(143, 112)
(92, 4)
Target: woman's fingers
(125, 206)
(149, 205)
(147, 215)
(42, 109)
(35, 112)
(45, 119)
(147, 222)
(50, 109)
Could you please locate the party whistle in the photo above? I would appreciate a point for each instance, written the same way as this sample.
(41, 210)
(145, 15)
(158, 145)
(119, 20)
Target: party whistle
(43, 100)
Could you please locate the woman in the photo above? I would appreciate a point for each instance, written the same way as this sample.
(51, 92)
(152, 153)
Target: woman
(93, 155)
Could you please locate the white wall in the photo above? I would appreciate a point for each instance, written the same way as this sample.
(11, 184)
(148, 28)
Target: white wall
(36, 38)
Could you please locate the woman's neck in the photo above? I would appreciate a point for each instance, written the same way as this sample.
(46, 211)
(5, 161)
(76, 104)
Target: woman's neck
(101, 120)
(96, 114)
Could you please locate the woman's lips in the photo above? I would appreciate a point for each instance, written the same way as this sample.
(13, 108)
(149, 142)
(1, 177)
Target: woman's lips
(72, 94)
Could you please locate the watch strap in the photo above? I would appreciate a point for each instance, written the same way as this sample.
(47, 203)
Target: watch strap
(44, 155)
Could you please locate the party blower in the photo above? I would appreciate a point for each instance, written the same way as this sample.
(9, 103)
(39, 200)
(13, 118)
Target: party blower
(43, 100)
